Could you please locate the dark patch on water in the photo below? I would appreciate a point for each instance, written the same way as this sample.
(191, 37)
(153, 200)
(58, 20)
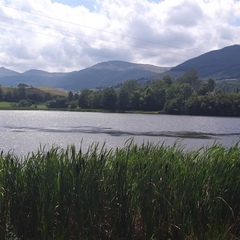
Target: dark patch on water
(113, 132)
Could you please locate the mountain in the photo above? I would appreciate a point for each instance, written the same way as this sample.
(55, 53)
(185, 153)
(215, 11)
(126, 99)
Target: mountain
(4, 72)
(31, 77)
(100, 75)
(217, 64)
(108, 74)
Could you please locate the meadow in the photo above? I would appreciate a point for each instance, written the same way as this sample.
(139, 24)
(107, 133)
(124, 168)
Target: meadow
(135, 192)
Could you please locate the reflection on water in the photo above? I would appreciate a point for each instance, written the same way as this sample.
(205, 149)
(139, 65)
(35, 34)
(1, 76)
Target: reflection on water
(113, 132)
(24, 131)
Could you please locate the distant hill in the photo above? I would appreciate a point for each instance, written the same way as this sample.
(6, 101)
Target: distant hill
(217, 64)
(4, 72)
(100, 75)
(108, 74)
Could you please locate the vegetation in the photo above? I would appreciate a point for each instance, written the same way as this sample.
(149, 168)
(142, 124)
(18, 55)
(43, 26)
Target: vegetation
(137, 192)
(24, 96)
(187, 95)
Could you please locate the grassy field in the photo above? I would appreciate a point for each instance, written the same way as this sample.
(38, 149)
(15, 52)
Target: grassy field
(136, 192)
(53, 91)
(8, 106)
(38, 90)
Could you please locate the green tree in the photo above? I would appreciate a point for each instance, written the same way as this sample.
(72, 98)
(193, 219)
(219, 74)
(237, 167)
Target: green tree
(190, 77)
(173, 91)
(159, 87)
(135, 101)
(1, 93)
(149, 100)
(167, 80)
(21, 92)
(8, 96)
(175, 106)
(192, 105)
(73, 104)
(186, 91)
(47, 97)
(109, 99)
(124, 94)
(123, 100)
(96, 99)
(211, 85)
(70, 96)
(58, 102)
(203, 89)
(84, 100)
(130, 86)
(35, 97)
(75, 96)
(24, 103)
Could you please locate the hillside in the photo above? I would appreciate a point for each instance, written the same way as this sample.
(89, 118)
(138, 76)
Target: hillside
(217, 64)
(100, 75)
(108, 74)
(42, 91)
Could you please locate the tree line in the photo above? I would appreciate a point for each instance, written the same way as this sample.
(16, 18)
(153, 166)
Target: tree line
(24, 96)
(186, 95)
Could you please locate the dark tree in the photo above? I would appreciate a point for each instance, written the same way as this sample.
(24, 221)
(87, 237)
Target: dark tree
(84, 100)
(190, 77)
(1, 93)
(59, 102)
(109, 100)
(70, 96)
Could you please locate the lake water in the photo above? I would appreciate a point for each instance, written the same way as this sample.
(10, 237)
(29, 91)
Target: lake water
(25, 131)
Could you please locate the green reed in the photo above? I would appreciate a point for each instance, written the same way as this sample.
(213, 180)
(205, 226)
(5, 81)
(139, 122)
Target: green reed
(136, 192)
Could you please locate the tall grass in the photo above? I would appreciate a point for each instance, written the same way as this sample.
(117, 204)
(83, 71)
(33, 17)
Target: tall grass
(136, 192)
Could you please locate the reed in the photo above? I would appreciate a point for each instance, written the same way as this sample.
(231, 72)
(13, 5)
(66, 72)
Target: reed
(136, 192)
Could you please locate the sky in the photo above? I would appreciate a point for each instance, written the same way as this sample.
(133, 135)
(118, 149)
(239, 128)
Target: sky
(70, 35)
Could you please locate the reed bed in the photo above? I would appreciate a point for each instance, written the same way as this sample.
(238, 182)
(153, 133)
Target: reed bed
(136, 192)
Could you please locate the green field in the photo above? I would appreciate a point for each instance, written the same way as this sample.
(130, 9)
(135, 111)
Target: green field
(137, 192)
(8, 106)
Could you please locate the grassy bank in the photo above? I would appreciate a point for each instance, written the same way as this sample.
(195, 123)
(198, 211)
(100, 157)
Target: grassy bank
(137, 192)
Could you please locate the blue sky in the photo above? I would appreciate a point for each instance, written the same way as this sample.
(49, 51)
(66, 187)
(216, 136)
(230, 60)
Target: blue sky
(73, 3)
(77, 34)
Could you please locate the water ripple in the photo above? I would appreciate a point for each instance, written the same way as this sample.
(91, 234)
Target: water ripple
(114, 132)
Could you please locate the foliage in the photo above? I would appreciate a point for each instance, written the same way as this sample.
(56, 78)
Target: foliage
(73, 104)
(24, 103)
(84, 100)
(186, 95)
(137, 192)
(35, 94)
(58, 102)
(109, 99)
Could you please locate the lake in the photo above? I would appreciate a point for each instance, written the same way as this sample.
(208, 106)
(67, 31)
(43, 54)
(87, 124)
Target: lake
(24, 131)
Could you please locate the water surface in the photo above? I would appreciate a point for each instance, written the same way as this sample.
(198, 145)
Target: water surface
(25, 131)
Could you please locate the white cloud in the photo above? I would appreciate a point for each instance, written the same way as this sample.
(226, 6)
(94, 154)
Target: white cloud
(55, 37)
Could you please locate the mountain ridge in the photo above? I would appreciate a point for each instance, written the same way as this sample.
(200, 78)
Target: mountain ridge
(217, 64)
(99, 75)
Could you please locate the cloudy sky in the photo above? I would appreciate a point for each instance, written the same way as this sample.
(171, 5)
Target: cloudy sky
(68, 35)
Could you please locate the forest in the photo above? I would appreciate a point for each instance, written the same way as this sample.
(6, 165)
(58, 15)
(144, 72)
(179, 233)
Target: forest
(186, 95)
